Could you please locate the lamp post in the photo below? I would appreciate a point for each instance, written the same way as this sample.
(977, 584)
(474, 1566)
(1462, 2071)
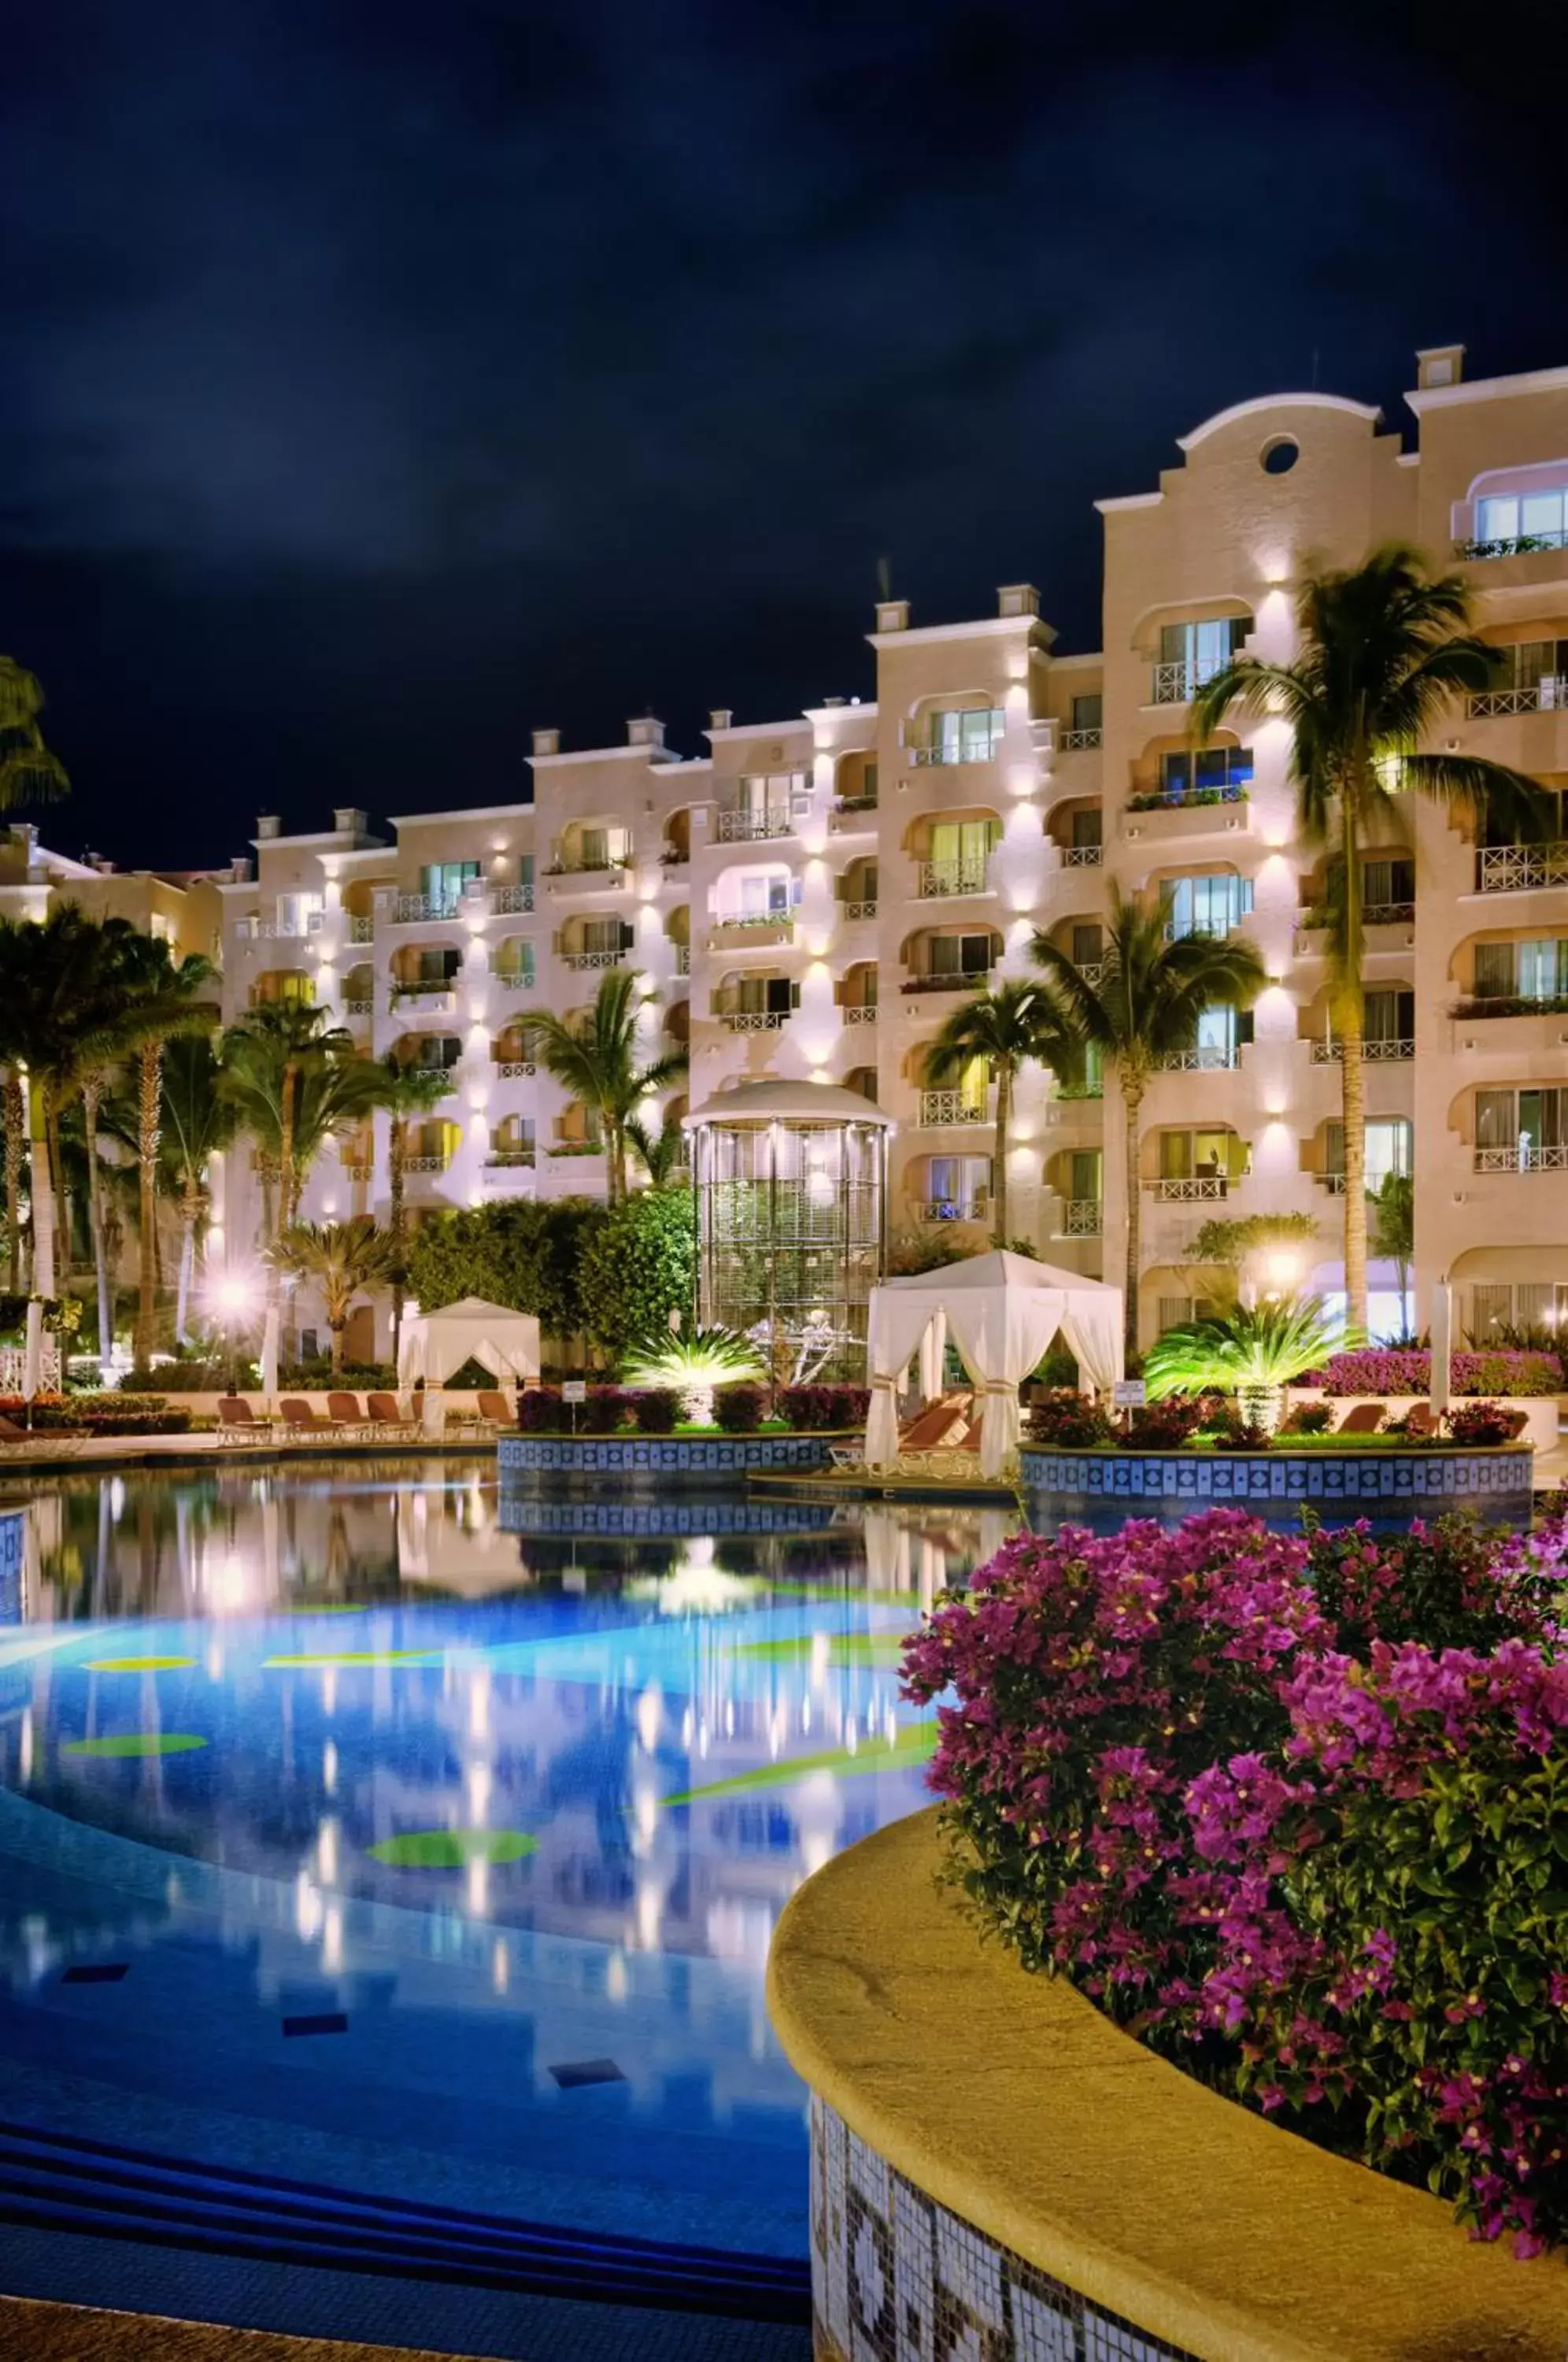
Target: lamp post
(233, 1295)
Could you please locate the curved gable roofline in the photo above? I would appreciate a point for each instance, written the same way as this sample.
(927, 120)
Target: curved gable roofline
(1263, 403)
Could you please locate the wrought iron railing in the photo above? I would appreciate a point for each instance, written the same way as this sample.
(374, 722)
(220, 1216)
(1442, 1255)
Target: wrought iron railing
(408, 909)
(755, 1020)
(416, 1165)
(1178, 683)
(682, 959)
(1329, 1051)
(282, 931)
(943, 1107)
(1520, 544)
(1527, 1157)
(1210, 1058)
(360, 1007)
(1530, 697)
(1082, 1217)
(614, 868)
(507, 900)
(361, 930)
(949, 980)
(957, 1210)
(941, 878)
(514, 1070)
(859, 911)
(1520, 869)
(751, 828)
(753, 922)
(581, 960)
(514, 979)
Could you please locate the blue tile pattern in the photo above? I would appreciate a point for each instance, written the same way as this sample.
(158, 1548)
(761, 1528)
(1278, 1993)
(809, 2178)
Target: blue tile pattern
(13, 1525)
(522, 1509)
(721, 1458)
(1495, 1485)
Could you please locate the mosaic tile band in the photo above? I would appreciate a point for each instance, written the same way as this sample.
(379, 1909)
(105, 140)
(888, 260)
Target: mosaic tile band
(13, 1526)
(720, 1457)
(1496, 1482)
(895, 2277)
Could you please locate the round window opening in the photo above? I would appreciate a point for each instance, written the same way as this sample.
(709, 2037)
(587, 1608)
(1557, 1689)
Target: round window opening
(1280, 455)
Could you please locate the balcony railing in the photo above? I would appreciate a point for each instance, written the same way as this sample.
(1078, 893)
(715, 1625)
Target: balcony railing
(939, 757)
(860, 1013)
(1076, 742)
(751, 828)
(361, 930)
(506, 901)
(1525, 1158)
(408, 909)
(1159, 799)
(754, 1021)
(1329, 1051)
(417, 1164)
(577, 1148)
(1210, 1058)
(859, 911)
(943, 1107)
(1522, 545)
(612, 869)
(514, 979)
(1082, 856)
(1510, 1004)
(514, 1070)
(581, 960)
(1178, 683)
(1082, 1217)
(682, 959)
(357, 1168)
(1520, 869)
(1199, 1189)
(971, 980)
(510, 1159)
(280, 930)
(1071, 1094)
(438, 995)
(957, 1210)
(360, 1007)
(850, 804)
(939, 879)
(1373, 914)
(1334, 1183)
(1534, 697)
(777, 923)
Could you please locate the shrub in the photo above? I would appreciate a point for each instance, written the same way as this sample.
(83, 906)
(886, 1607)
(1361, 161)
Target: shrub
(1059, 1369)
(639, 1267)
(607, 1410)
(1165, 1426)
(850, 1406)
(189, 1378)
(1238, 1434)
(1267, 1344)
(1452, 1585)
(1479, 1423)
(540, 1411)
(739, 1408)
(1386, 1370)
(1070, 1421)
(1309, 1418)
(656, 1410)
(694, 1364)
(807, 1407)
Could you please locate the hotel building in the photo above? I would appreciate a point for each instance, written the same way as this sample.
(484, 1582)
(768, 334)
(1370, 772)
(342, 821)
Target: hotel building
(806, 897)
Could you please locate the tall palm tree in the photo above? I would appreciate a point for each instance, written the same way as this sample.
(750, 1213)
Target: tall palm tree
(28, 772)
(407, 1091)
(198, 1124)
(1006, 1029)
(596, 1060)
(269, 1059)
(163, 994)
(1152, 989)
(663, 1153)
(1384, 649)
(14, 1111)
(343, 1259)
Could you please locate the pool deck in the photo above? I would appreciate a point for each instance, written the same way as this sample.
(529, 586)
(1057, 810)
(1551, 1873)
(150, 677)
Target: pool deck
(75, 2332)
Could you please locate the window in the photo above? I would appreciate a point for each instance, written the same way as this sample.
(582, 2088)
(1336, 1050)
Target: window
(443, 881)
(770, 796)
(1088, 712)
(959, 954)
(1221, 771)
(1390, 1147)
(1388, 883)
(435, 969)
(602, 935)
(514, 962)
(525, 869)
(965, 734)
(1221, 1033)
(1208, 906)
(959, 850)
(1176, 1311)
(1527, 664)
(1088, 827)
(958, 1186)
(1086, 1173)
(1522, 1122)
(1203, 649)
(1087, 944)
(862, 1079)
(1197, 1155)
(1388, 1015)
(437, 1053)
(766, 898)
(1522, 516)
(1530, 971)
(869, 782)
(299, 914)
(1533, 1304)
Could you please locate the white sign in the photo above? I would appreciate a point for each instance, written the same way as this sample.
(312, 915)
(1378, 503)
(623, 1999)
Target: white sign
(1129, 1394)
(574, 1390)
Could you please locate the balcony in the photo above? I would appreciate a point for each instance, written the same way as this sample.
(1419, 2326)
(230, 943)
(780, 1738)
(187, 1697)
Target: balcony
(682, 959)
(957, 1210)
(1314, 919)
(853, 815)
(1525, 1158)
(514, 1070)
(939, 1109)
(409, 909)
(754, 1021)
(358, 1008)
(862, 1012)
(1083, 856)
(1210, 1058)
(1082, 1217)
(1545, 696)
(1078, 742)
(762, 932)
(280, 930)
(859, 911)
(576, 1148)
(1510, 1004)
(1329, 1051)
(940, 880)
(1196, 1189)
(1334, 1183)
(361, 930)
(357, 1169)
(510, 901)
(510, 1159)
(971, 980)
(952, 756)
(737, 827)
(581, 961)
(1164, 799)
(1520, 869)
(1523, 545)
(415, 1166)
(1178, 683)
(417, 997)
(512, 979)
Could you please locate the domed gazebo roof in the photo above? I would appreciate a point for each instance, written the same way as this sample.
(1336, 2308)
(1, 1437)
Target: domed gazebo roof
(774, 1101)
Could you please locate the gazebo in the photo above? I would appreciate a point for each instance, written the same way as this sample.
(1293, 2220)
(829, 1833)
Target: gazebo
(1004, 1310)
(436, 1343)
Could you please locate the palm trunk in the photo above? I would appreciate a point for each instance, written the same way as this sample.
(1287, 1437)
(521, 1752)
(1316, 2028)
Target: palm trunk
(60, 1208)
(1132, 1110)
(1004, 1112)
(148, 1109)
(15, 1120)
(92, 1091)
(286, 1151)
(396, 1152)
(1352, 1074)
(182, 1281)
(338, 1330)
(42, 1194)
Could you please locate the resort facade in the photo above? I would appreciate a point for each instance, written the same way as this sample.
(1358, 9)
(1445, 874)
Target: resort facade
(805, 898)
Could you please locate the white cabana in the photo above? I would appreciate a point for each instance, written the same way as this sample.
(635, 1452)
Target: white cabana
(1002, 1311)
(436, 1343)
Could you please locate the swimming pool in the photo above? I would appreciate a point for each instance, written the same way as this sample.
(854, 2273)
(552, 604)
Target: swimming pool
(359, 1828)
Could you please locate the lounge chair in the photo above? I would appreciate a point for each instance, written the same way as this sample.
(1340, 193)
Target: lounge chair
(344, 1410)
(937, 1427)
(236, 1419)
(300, 1420)
(1361, 1419)
(387, 1417)
(1420, 1423)
(1518, 1422)
(11, 1433)
(495, 1411)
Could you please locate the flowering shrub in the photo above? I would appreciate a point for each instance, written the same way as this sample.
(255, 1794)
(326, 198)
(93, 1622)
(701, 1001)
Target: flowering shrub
(739, 1408)
(1162, 1426)
(815, 1408)
(656, 1410)
(540, 1411)
(1309, 1418)
(607, 1410)
(1069, 1421)
(1406, 1370)
(1214, 1777)
(1480, 1422)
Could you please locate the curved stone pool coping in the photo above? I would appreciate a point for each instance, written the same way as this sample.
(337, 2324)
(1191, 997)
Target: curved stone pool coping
(1496, 1482)
(1032, 2121)
(721, 1458)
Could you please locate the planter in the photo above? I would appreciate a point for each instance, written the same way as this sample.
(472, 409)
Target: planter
(1100, 1487)
(993, 2159)
(645, 1462)
(1262, 1407)
(1541, 1412)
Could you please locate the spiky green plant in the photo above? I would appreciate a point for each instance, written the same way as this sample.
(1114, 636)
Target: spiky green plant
(695, 1364)
(1253, 1351)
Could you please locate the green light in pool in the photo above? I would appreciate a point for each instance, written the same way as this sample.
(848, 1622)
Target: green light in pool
(138, 1664)
(452, 1848)
(915, 1745)
(127, 1743)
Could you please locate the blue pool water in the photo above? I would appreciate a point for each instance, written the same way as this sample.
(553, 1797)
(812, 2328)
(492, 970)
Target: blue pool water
(428, 1845)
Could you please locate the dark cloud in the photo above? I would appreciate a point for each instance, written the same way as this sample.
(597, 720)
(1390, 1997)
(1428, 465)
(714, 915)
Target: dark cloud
(381, 381)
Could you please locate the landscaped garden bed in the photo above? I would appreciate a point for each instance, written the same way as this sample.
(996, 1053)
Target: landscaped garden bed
(640, 1431)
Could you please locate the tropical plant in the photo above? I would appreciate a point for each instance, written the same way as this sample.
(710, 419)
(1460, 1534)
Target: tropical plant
(597, 1059)
(407, 1091)
(14, 1107)
(162, 999)
(1385, 647)
(1004, 1029)
(638, 1267)
(295, 1081)
(1393, 1208)
(1152, 989)
(663, 1152)
(29, 773)
(342, 1260)
(519, 1252)
(696, 1364)
(198, 1124)
(1230, 1243)
(1252, 1352)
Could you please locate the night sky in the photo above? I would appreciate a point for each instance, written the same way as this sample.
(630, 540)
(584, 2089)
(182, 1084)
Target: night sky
(383, 380)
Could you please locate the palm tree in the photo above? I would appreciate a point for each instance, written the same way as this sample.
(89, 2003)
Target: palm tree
(198, 1124)
(596, 1060)
(28, 772)
(161, 1001)
(269, 1058)
(14, 1108)
(343, 1259)
(663, 1153)
(407, 1091)
(1152, 989)
(1005, 1028)
(1384, 647)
